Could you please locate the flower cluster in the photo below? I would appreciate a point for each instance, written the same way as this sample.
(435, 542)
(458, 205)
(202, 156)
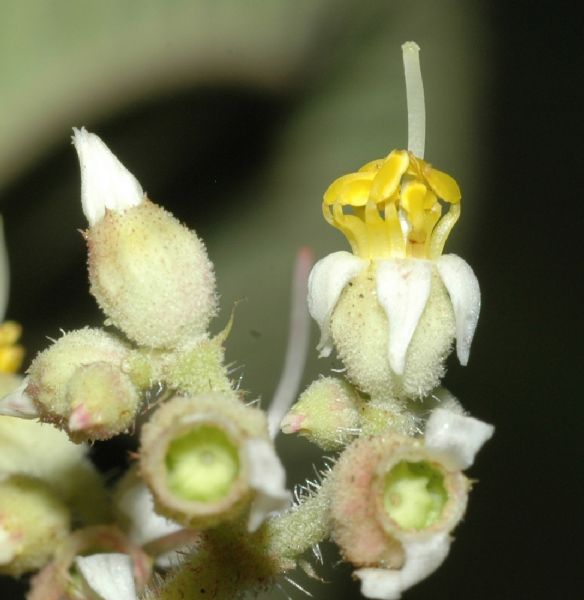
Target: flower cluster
(204, 511)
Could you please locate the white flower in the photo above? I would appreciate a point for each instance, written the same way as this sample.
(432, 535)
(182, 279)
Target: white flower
(105, 182)
(396, 228)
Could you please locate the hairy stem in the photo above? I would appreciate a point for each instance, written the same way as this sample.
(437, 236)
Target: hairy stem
(228, 560)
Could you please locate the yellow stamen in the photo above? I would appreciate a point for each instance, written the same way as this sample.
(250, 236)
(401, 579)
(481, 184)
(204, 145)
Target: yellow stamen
(388, 177)
(11, 353)
(391, 207)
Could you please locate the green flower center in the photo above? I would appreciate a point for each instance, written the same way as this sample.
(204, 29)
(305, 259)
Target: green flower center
(414, 494)
(202, 464)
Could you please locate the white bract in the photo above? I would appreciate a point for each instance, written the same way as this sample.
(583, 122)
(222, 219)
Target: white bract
(456, 438)
(267, 477)
(109, 575)
(18, 403)
(422, 558)
(143, 523)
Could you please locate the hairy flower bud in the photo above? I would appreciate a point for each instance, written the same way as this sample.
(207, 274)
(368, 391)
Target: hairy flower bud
(33, 521)
(327, 413)
(151, 275)
(78, 384)
(103, 402)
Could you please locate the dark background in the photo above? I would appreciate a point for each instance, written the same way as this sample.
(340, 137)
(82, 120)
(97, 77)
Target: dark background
(522, 534)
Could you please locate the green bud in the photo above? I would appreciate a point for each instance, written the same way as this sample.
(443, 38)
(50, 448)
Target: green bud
(151, 275)
(326, 413)
(51, 371)
(103, 402)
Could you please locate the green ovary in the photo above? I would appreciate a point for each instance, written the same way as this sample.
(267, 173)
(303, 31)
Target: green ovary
(202, 464)
(414, 494)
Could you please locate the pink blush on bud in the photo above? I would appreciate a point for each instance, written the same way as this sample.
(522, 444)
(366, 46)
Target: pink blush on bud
(292, 423)
(80, 419)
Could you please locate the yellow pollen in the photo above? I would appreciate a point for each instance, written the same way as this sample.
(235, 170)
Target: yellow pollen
(391, 207)
(11, 353)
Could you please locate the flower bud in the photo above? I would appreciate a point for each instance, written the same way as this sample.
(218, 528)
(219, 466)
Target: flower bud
(151, 275)
(103, 402)
(359, 327)
(193, 458)
(327, 413)
(33, 521)
(99, 400)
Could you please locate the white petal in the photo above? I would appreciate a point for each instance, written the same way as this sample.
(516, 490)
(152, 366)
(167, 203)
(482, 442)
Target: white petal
(327, 280)
(456, 438)
(8, 548)
(18, 403)
(109, 575)
(105, 182)
(268, 478)
(465, 295)
(403, 288)
(4, 273)
(421, 559)
(144, 524)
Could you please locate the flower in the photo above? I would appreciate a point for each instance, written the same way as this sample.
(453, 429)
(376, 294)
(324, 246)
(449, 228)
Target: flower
(207, 459)
(397, 224)
(391, 212)
(396, 500)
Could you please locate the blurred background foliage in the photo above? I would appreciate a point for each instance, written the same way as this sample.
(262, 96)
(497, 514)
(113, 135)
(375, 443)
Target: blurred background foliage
(236, 115)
